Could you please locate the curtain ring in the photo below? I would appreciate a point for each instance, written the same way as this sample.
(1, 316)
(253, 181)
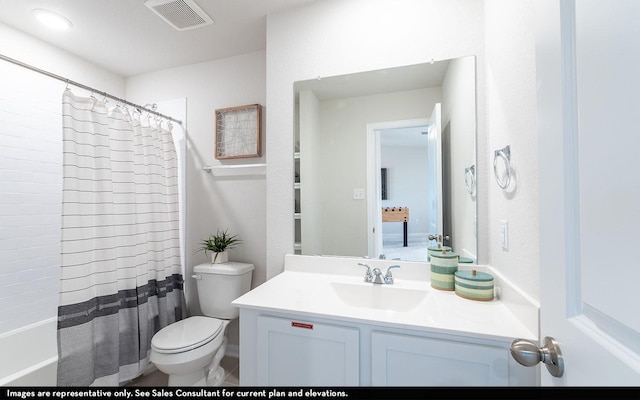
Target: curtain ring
(505, 155)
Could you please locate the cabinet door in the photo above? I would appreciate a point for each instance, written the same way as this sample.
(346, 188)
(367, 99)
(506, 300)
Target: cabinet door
(403, 360)
(302, 353)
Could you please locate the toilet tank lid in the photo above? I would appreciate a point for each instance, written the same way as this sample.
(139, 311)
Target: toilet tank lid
(228, 268)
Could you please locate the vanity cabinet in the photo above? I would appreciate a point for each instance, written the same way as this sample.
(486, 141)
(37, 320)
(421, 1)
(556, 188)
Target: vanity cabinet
(408, 360)
(295, 352)
(301, 350)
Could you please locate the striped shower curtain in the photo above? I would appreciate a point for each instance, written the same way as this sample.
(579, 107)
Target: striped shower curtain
(121, 277)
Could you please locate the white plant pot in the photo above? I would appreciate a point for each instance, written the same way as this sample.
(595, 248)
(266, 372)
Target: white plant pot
(219, 258)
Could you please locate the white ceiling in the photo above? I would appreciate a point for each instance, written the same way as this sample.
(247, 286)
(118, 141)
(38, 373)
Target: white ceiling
(126, 37)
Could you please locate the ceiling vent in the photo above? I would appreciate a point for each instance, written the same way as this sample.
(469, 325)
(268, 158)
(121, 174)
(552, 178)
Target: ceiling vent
(181, 14)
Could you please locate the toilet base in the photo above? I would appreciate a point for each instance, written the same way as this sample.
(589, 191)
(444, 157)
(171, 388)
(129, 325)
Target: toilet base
(212, 375)
(208, 371)
(216, 372)
(216, 377)
(196, 378)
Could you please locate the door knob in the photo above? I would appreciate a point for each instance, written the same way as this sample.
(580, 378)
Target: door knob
(529, 354)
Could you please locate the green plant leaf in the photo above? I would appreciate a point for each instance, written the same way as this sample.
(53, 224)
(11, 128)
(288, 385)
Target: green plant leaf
(219, 242)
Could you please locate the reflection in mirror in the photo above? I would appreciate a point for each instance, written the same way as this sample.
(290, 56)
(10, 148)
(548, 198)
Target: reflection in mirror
(416, 122)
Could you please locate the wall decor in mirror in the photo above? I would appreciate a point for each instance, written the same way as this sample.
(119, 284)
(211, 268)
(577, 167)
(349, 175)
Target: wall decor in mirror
(418, 122)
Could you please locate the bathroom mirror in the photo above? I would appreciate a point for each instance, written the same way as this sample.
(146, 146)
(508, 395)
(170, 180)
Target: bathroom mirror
(418, 124)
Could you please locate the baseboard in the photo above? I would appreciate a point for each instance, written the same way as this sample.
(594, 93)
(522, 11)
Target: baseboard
(233, 350)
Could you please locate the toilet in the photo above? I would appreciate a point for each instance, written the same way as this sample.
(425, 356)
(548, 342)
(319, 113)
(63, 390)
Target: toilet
(190, 350)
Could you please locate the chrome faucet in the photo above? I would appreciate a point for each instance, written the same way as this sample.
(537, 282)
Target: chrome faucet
(375, 275)
(388, 278)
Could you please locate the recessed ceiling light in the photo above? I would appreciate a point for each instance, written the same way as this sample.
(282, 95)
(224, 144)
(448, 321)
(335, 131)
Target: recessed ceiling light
(52, 19)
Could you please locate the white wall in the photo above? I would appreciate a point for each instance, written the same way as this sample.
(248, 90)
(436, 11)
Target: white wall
(335, 37)
(19, 46)
(30, 204)
(511, 120)
(459, 115)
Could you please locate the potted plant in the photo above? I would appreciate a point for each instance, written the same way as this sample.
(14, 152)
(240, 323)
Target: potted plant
(218, 245)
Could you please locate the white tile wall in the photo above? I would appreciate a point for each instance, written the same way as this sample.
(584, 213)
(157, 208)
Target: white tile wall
(30, 196)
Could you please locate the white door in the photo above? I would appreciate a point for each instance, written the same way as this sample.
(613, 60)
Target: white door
(589, 139)
(434, 176)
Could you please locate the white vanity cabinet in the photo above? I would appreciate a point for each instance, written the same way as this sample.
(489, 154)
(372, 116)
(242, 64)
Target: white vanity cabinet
(298, 352)
(408, 360)
(319, 324)
(280, 349)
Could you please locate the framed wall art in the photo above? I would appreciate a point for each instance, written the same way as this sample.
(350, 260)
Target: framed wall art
(238, 132)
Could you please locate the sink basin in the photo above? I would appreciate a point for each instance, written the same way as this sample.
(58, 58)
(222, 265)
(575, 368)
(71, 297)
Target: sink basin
(380, 297)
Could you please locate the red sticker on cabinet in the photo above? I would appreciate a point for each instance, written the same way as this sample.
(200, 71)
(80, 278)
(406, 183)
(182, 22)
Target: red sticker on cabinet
(301, 325)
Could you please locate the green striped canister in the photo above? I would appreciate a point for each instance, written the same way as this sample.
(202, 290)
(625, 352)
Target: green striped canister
(474, 285)
(443, 266)
(436, 250)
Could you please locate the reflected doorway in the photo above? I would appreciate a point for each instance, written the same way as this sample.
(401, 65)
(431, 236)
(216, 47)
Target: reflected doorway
(400, 149)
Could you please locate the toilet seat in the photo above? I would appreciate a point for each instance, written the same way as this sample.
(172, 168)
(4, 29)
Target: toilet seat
(186, 334)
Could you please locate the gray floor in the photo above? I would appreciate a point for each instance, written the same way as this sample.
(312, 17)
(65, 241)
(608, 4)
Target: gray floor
(159, 379)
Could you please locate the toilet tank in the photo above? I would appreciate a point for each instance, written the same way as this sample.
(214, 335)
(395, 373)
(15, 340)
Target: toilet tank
(219, 284)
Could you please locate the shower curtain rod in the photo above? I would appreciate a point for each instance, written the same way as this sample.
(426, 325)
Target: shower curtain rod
(80, 85)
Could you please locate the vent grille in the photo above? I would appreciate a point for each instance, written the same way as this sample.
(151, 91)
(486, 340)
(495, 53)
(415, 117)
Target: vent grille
(180, 14)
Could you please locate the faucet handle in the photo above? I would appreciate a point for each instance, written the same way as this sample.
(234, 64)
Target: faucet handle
(388, 278)
(368, 276)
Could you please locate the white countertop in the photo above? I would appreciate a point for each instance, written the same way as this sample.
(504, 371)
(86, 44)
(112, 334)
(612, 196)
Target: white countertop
(305, 288)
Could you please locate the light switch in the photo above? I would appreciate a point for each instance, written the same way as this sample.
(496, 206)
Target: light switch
(358, 194)
(504, 235)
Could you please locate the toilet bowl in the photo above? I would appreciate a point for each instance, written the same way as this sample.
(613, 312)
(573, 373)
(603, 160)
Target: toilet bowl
(185, 351)
(189, 351)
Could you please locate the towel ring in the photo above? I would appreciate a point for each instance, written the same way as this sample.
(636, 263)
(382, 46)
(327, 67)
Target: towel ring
(470, 179)
(505, 155)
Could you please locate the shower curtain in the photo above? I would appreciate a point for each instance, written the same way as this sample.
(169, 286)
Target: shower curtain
(121, 277)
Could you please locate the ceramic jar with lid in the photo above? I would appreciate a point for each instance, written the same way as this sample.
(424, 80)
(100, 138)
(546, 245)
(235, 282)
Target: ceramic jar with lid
(443, 265)
(474, 285)
(436, 250)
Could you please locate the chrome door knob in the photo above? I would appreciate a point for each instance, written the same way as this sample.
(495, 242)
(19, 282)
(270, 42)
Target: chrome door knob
(529, 354)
